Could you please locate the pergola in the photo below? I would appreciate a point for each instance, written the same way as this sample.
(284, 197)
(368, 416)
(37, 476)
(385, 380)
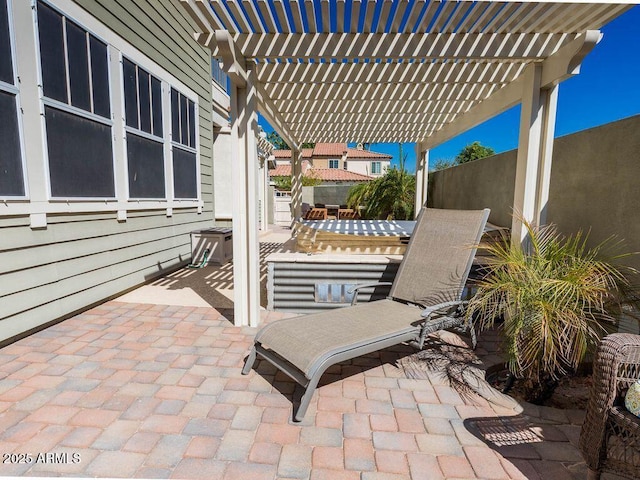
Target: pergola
(418, 71)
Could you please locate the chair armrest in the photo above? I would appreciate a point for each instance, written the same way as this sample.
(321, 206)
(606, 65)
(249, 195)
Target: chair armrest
(355, 289)
(614, 351)
(428, 311)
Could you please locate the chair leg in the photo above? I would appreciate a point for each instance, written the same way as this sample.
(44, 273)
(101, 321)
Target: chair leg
(593, 475)
(306, 398)
(251, 359)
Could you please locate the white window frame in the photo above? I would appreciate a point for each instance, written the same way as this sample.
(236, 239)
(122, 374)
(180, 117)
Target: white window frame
(37, 202)
(337, 164)
(141, 133)
(15, 91)
(375, 163)
(68, 108)
(186, 148)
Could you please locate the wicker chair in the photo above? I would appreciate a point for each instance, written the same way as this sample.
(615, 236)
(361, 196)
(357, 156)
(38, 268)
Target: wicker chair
(610, 437)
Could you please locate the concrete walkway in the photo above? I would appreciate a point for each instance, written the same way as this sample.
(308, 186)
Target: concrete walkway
(136, 388)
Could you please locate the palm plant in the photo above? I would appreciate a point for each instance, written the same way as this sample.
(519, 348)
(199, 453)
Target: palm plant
(389, 197)
(556, 298)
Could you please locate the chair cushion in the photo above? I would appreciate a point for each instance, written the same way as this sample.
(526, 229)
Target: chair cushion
(632, 398)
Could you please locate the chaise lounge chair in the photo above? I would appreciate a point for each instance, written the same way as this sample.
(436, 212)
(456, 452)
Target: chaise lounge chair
(425, 297)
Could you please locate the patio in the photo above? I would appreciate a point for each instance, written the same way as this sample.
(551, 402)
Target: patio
(146, 390)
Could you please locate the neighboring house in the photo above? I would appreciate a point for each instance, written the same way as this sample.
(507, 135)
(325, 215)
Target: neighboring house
(106, 158)
(339, 156)
(327, 176)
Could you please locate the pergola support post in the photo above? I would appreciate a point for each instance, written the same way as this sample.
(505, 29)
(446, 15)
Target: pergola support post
(296, 184)
(263, 175)
(422, 177)
(535, 150)
(244, 131)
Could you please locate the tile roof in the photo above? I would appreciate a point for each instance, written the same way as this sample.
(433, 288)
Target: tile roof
(306, 153)
(339, 175)
(353, 153)
(324, 174)
(284, 170)
(329, 149)
(332, 150)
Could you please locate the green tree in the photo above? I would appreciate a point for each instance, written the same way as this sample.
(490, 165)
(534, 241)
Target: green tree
(390, 197)
(278, 142)
(441, 164)
(473, 151)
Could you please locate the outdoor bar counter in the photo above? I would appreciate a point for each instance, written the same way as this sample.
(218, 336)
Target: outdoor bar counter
(315, 269)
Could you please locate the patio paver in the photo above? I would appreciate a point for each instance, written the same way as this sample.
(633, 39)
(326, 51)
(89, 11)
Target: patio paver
(155, 391)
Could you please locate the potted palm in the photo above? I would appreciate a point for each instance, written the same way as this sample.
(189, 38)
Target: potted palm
(554, 299)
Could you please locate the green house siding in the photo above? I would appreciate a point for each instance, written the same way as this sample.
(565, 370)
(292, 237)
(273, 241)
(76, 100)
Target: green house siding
(79, 259)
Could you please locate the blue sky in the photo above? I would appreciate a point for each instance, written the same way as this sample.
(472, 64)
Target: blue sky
(607, 89)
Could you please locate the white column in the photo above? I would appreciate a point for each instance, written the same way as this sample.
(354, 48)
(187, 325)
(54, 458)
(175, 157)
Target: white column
(296, 183)
(244, 128)
(550, 104)
(263, 175)
(535, 149)
(422, 177)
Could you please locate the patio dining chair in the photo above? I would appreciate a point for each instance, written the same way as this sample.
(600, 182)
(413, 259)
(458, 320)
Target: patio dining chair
(316, 214)
(425, 297)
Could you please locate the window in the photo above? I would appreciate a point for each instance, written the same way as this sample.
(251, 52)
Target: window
(77, 108)
(334, 163)
(183, 133)
(11, 172)
(376, 168)
(145, 142)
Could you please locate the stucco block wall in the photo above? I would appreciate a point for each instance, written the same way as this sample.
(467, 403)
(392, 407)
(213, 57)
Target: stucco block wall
(79, 259)
(327, 194)
(594, 184)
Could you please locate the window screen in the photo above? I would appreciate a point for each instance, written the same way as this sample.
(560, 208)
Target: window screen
(145, 167)
(156, 106)
(130, 93)
(74, 63)
(185, 181)
(52, 55)
(99, 78)
(80, 156)
(183, 121)
(142, 99)
(183, 133)
(375, 167)
(6, 67)
(75, 72)
(79, 67)
(11, 178)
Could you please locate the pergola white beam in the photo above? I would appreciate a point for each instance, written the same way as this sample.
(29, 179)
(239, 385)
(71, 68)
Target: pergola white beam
(233, 62)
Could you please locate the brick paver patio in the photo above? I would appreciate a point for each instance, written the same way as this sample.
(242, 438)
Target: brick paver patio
(153, 391)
